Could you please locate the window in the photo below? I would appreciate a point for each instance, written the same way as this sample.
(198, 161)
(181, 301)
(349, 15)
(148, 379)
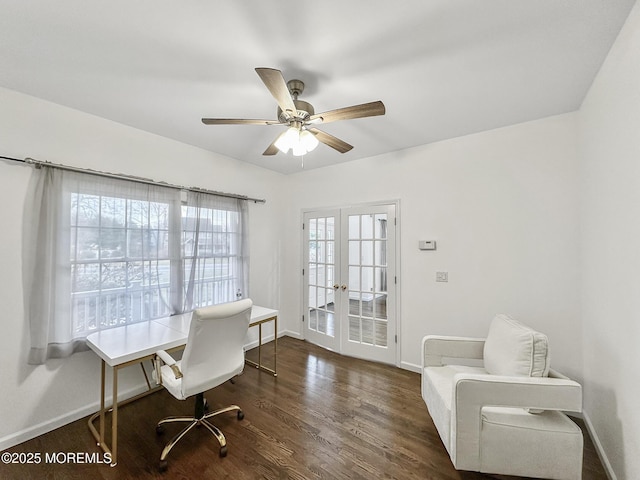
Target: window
(120, 262)
(211, 246)
(110, 252)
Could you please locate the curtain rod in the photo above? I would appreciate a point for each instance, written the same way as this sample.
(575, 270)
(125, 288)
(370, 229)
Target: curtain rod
(122, 176)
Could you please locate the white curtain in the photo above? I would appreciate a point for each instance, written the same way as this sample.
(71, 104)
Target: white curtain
(102, 252)
(215, 250)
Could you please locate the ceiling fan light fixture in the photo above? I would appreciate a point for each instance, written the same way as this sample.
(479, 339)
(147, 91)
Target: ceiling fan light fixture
(299, 150)
(287, 140)
(299, 141)
(309, 140)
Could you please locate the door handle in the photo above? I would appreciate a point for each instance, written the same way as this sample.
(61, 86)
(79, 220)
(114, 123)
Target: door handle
(344, 287)
(336, 286)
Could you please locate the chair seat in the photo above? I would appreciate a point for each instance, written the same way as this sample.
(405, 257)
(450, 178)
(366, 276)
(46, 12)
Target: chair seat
(437, 386)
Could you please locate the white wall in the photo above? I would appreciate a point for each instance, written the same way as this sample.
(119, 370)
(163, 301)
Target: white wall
(610, 174)
(539, 220)
(63, 390)
(502, 206)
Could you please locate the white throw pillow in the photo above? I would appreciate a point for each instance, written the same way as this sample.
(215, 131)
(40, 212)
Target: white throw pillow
(512, 348)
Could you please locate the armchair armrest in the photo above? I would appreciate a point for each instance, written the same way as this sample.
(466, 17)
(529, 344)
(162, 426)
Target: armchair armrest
(472, 392)
(162, 355)
(437, 347)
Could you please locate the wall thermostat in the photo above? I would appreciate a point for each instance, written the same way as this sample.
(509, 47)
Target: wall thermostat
(427, 244)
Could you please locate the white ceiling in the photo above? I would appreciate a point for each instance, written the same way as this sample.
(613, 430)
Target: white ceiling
(443, 68)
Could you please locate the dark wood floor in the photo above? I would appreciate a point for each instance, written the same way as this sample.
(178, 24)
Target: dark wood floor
(324, 417)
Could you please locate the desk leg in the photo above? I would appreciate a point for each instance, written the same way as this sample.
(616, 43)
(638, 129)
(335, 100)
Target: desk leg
(102, 391)
(275, 347)
(100, 435)
(260, 345)
(259, 365)
(114, 420)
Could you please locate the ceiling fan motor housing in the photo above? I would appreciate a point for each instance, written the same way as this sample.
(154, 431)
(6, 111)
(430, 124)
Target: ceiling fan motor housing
(305, 110)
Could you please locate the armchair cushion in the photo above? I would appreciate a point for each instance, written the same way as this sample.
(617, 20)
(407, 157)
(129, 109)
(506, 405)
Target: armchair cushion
(514, 349)
(437, 388)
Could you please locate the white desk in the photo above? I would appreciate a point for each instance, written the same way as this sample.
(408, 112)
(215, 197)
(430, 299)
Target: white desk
(123, 346)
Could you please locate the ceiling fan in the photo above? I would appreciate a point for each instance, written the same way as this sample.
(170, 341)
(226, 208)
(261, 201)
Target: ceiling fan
(301, 135)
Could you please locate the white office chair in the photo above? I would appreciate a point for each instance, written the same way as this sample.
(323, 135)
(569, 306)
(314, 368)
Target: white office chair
(214, 353)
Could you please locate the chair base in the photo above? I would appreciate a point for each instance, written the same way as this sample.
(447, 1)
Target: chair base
(201, 418)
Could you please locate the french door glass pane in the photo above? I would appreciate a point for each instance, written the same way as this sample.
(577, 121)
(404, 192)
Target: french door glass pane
(367, 252)
(330, 228)
(321, 228)
(354, 329)
(354, 226)
(380, 226)
(368, 279)
(380, 251)
(313, 319)
(366, 226)
(367, 330)
(354, 252)
(354, 303)
(354, 278)
(321, 275)
(313, 301)
(380, 333)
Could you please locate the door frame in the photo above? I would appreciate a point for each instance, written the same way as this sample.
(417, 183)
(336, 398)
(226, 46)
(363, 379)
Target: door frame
(398, 279)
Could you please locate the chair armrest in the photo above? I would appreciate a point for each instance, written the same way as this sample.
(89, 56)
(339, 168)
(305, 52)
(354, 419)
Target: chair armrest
(170, 361)
(472, 392)
(437, 347)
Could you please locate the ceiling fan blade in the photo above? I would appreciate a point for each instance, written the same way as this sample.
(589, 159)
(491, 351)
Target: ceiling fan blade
(330, 140)
(370, 109)
(238, 121)
(274, 81)
(272, 149)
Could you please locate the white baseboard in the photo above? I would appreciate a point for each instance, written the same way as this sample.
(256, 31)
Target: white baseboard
(254, 344)
(412, 367)
(269, 338)
(289, 333)
(599, 449)
(57, 422)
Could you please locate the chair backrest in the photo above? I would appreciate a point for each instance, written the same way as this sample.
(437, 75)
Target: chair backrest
(215, 346)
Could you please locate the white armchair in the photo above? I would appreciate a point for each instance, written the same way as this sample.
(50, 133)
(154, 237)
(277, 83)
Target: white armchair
(497, 405)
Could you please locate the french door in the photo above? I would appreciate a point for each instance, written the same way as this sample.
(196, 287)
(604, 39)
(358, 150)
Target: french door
(349, 281)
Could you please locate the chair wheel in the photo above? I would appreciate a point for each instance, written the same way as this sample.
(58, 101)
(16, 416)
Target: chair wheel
(159, 429)
(240, 414)
(162, 466)
(223, 451)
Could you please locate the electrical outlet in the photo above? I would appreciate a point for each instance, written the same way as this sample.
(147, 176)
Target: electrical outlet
(442, 276)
